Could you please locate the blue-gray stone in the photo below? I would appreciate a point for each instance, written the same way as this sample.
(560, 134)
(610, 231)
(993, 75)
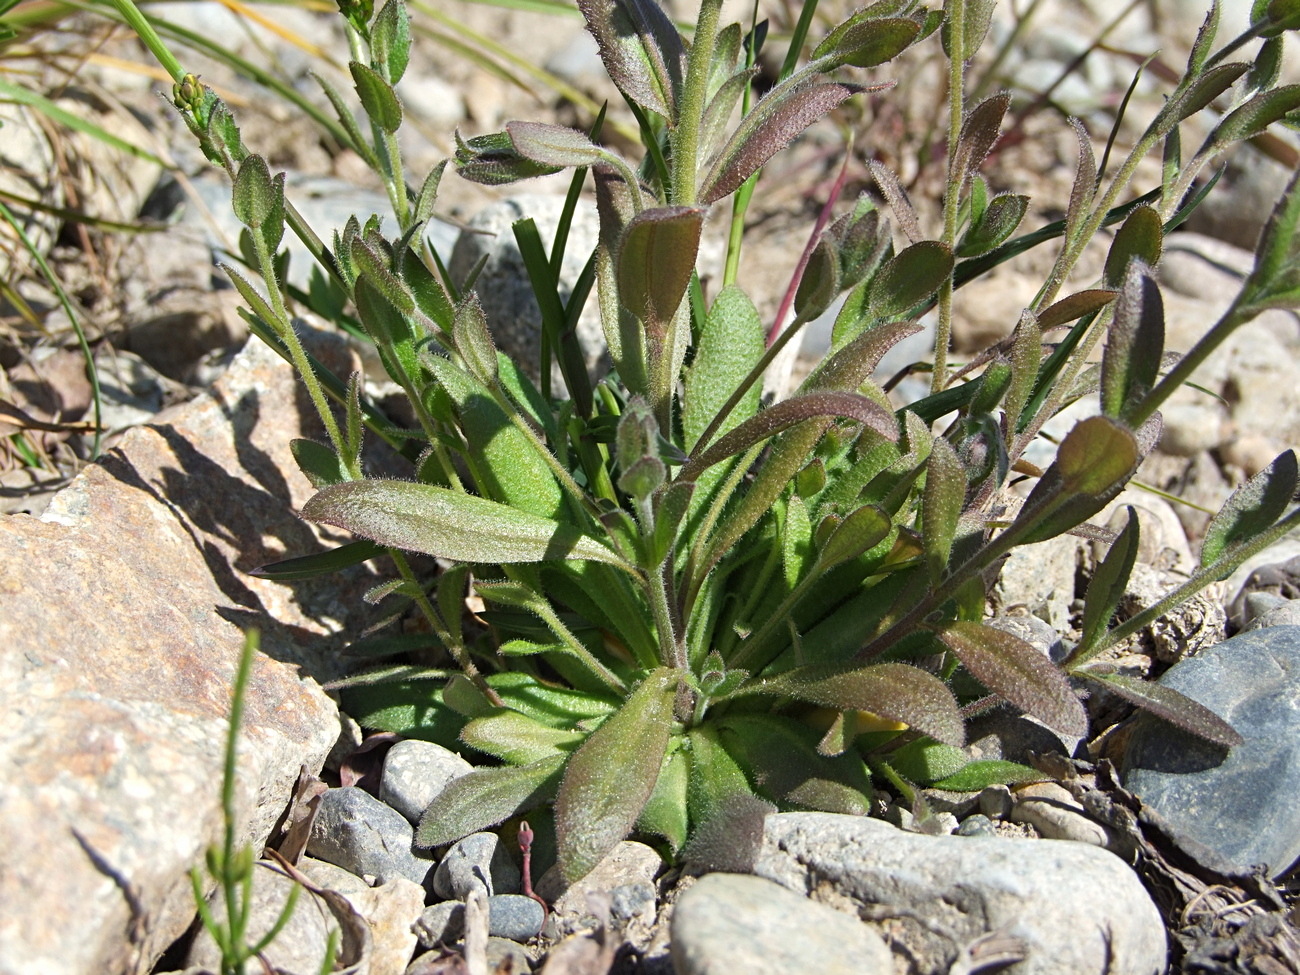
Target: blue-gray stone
(357, 832)
(976, 825)
(1239, 802)
(415, 773)
(477, 860)
(514, 916)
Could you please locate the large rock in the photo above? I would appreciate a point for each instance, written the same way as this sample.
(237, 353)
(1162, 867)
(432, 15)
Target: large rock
(121, 618)
(1071, 909)
(1238, 802)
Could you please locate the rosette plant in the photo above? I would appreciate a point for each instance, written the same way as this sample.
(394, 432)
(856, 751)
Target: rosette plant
(670, 602)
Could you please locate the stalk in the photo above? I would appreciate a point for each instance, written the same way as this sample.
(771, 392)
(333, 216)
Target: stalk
(686, 137)
(951, 199)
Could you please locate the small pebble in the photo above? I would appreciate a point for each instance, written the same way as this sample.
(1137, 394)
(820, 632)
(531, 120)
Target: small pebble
(995, 801)
(478, 859)
(415, 773)
(514, 916)
(442, 922)
(357, 832)
(977, 825)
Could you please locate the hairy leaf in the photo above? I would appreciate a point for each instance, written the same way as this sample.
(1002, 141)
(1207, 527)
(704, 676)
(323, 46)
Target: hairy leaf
(1084, 189)
(1141, 236)
(1134, 344)
(641, 50)
(486, 797)
(390, 40)
(912, 276)
(447, 524)
(773, 124)
(493, 160)
(610, 778)
(941, 506)
(1275, 280)
(892, 690)
(517, 739)
(1109, 582)
(1257, 115)
(553, 145)
(781, 757)
(377, 97)
(1176, 708)
(473, 341)
(979, 775)
(1199, 94)
(979, 131)
(998, 222)
(730, 344)
(1015, 670)
(786, 414)
(1096, 455)
(1252, 508)
(322, 563)
(655, 261)
(978, 17)
(858, 533)
(665, 812)
(865, 41)
(1075, 306)
(820, 282)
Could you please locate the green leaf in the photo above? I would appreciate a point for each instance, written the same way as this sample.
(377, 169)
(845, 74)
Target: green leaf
(796, 541)
(979, 775)
(1135, 343)
(1199, 94)
(390, 40)
(1026, 355)
(1109, 582)
(774, 122)
(446, 524)
(892, 690)
(1140, 237)
(787, 413)
(1096, 455)
(486, 797)
(1164, 702)
(428, 195)
(322, 563)
(858, 533)
(1084, 188)
(473, 341)
(820, 282)
(611, 777)
(1204, 42)
(998, 222)
(923, 761)
(517, 739)
(670, 508)
(1075, 306)
(716, 778)
(1257, 115)
(253, 195)
(730, 344)
(942, 502)
(377, 97)
(781, 757)
(493, 160)
(665, 812)
(911, 277)
(319, 463)
(865, 41)
(655, 262)
(553, 145)
(978, 17)
(1015, 670)
(1252, 508)
(1275, 280)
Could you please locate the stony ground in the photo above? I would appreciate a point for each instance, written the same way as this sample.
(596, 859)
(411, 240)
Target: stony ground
(95, 583)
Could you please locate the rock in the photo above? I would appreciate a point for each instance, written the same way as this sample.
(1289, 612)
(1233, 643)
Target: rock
(443, 923)
(1241, 203)
(976, 825)
(628, 865)
(1266, 588)
(1162, 540)
(300, 945)
(1239, 802)
(1040, 580)
(727, 922)
(502, 952)
(1285, 613)
(514, 916)
(1004, 733)
(1055, 815)
(390, 912)
(503, 286)
(133, 392)
(1192, 428)
(121, 617)
(995, 801)
(478, 859)
(1033, 631)
(1191, 627)
(415, 772)
(331, 876)
(1076, 908)
(359, 833)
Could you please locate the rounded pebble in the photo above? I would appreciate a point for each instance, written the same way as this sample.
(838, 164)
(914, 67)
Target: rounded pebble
(514, 916)
(976, 825)
(415, 773)
(357, 832)
(478, 859)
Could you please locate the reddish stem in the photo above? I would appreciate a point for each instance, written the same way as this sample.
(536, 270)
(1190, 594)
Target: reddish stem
(526, 848)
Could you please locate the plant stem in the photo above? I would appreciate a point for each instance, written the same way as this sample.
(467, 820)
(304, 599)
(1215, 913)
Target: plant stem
(956, 181)
(690, 109)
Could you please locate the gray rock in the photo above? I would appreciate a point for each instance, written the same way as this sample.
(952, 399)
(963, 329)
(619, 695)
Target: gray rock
(629, 901)
(977, 825)
(1033, 631)
(121, 615)
(1004, 733)
(1239, 802)
(1056, 815)
(995, 801)
(1078, 910)
(415, 772)
(1266, 588)
(442, 922)
(478, 859)
(1190, 628)
(1285, 613)
(359, 833)
(728, 922)
(629, 863)
(514, 916)
(1039, 579)
(503, 951)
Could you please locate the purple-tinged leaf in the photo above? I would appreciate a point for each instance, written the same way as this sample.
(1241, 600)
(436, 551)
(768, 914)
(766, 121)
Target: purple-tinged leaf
(859, 532)
(1075, 306)
(1252, 508)
(447, 524)
(909, 278)
(1025, 356)
(979, 131)
(721, 105)
(896, 197)
(1199, 94)
(1107, 587)
(611, 777)
(942, 502)
(1084, 189)
(552, 145)
(1257, 115)
(1134, 343)
(820, 282)
(1141, 236)
(851, 366)
(775, 121)
(641, 50)
(865, 41)
(655, 261)
(1017, 671)
(1165, 702)
(473, 341)
(785, 414)
(895, 691)
(493, 160)
(486, 797)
